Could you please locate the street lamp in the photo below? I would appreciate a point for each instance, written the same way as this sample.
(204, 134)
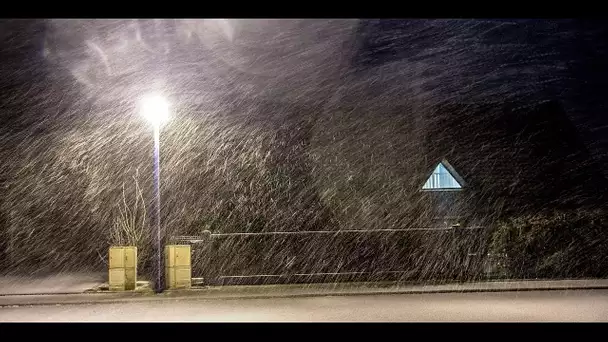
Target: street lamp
(155, 109)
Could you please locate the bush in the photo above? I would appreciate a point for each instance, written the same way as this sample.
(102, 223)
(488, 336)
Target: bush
(570, 244)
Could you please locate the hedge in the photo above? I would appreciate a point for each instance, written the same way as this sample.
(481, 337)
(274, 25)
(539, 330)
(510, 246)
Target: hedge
(565, 244)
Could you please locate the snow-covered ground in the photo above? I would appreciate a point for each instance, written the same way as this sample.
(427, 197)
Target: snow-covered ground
(59, 283)
(543, 306)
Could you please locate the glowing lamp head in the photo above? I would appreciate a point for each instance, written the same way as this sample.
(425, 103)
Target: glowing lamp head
(155, 109)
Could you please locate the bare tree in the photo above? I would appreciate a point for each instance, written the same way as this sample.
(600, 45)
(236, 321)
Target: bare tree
(130, 225)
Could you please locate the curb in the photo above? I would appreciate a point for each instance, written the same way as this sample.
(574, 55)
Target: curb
(206, 294)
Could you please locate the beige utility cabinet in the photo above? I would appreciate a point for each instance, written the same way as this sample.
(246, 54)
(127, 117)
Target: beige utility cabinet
(123, 268)
(178, 270)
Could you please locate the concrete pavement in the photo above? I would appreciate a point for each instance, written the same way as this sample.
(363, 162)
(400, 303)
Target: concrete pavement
(528, 306)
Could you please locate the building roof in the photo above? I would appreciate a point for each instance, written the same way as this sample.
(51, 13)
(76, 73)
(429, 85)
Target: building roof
(511, 157)
(530, 156)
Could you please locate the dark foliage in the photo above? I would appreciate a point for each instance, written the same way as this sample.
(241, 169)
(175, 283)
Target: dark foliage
(565, 244)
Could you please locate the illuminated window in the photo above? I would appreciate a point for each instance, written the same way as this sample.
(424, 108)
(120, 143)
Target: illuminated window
(443, 178)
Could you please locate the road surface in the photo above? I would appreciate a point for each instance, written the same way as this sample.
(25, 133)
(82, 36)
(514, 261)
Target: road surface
(535, 306)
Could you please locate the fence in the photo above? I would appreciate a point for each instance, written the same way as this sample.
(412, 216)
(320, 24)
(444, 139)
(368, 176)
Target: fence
(334, 256)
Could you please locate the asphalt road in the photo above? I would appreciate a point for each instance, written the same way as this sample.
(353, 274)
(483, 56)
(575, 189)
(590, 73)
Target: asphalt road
(529, 306)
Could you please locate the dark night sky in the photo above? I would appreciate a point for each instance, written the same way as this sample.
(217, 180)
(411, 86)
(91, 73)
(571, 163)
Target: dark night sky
(531, 60)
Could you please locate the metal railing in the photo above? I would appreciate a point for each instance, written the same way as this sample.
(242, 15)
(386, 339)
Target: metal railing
(262, 277)
(197, 239)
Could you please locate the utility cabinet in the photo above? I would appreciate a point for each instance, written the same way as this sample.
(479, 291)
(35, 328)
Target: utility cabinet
(122, 268)
(178, 268)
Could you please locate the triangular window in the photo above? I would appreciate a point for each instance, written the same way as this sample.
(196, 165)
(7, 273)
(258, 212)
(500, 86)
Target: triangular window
(444, 177)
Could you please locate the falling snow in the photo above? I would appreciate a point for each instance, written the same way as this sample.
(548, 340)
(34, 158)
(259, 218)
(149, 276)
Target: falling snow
(296, 126)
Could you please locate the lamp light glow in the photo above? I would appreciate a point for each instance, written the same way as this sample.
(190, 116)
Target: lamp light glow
(155, 109)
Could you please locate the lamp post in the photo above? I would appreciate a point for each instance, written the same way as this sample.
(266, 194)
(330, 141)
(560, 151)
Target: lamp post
(155, 109)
